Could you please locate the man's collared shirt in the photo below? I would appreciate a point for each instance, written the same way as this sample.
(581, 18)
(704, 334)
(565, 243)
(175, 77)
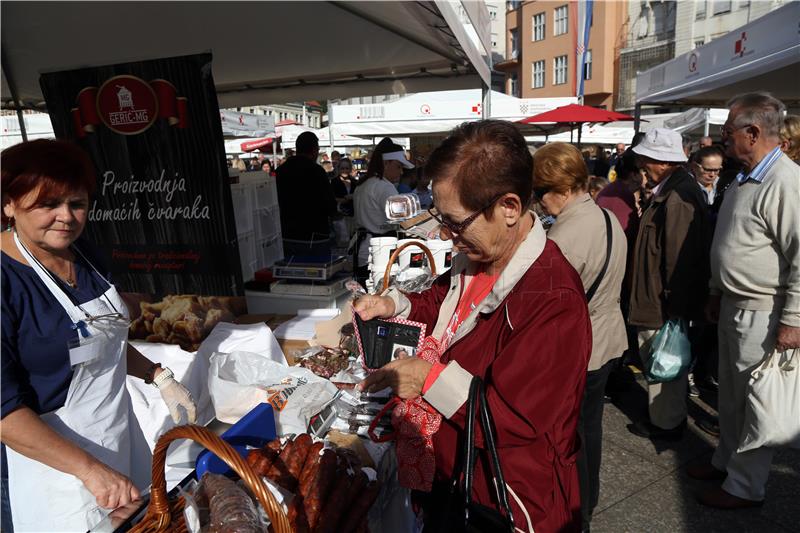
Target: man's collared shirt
(657, 188)
(762, 168)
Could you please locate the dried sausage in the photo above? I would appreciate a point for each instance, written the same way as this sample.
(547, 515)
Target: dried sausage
(294, 463)
(320, 487)
(360, 507)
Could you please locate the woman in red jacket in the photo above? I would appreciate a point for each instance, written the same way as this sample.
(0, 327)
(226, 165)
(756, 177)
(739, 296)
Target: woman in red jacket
(511, 310)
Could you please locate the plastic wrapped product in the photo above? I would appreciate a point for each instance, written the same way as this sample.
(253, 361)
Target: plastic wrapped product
(231, 510)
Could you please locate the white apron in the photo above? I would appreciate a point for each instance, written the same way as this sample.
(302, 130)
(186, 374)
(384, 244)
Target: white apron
(96, 416)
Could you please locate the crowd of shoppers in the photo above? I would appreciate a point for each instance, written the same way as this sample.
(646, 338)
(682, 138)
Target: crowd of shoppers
(710, 239)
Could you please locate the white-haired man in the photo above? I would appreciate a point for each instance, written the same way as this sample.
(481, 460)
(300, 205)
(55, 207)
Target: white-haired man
(755, 287)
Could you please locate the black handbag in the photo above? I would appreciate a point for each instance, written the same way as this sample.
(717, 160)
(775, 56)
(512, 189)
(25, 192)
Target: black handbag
(460, 513)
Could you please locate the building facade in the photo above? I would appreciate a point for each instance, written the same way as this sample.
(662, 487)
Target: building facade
(657, 31)
(540, 50)
(702, 21)
(649, 41)
(303, 113)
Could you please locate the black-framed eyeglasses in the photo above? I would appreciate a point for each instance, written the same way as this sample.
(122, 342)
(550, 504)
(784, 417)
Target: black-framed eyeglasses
(458, 228)
(727, 131)
(711, 170)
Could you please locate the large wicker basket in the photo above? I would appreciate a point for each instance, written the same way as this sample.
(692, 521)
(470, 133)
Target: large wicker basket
(165, 515)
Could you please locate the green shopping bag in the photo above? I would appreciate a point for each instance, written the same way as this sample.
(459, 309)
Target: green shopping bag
(670, 353)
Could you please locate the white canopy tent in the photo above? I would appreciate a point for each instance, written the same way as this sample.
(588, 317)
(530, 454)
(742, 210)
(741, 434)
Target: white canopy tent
(289, 135)
(434, 112)
(309, 50)
(37, 126)
(245, 124)
(690, 123)
(763, 55)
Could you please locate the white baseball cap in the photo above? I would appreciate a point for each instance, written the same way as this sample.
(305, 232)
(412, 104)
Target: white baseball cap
(662, 144)
(398, 156)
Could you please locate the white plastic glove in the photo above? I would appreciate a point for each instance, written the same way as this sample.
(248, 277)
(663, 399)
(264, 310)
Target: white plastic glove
(175, 395)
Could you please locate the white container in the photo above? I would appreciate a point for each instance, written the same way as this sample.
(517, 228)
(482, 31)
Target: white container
(268, 223)
(242, 201)
(266, 193)
(247, 255)
(259, 302)
(442, 252)
(413, 256)
(380, 250)
(269, 251)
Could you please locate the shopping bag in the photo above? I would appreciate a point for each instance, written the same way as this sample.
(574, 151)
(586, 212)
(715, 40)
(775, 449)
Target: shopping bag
(772, 413)
(238, 381)
(670, 353)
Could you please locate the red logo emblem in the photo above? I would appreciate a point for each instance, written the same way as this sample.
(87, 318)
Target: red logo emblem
(692, 62)
(477, 109)
(127, 104)
(740, 48)
(425, 109)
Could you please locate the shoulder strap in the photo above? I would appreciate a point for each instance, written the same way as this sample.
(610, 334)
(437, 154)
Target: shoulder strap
(596, 284)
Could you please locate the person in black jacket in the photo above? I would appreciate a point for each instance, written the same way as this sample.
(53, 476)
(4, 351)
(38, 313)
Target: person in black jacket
(306, 201)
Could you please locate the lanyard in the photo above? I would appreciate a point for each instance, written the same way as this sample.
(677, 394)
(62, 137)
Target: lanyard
(57, 283)
(479, 288)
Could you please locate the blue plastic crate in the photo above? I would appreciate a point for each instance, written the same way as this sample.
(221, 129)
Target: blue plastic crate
(255, 429)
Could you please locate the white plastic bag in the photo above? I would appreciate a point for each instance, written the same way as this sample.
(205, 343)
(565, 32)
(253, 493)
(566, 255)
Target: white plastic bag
(772, 415)
(238, 381)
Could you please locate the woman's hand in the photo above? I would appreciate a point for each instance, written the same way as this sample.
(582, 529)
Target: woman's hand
(405, 376)
(110, 488)
(370, 306)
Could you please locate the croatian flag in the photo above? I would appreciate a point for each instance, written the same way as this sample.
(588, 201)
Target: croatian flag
(584, 27)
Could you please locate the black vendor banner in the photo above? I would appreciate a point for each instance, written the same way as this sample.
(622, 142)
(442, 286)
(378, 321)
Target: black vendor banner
(162, 213)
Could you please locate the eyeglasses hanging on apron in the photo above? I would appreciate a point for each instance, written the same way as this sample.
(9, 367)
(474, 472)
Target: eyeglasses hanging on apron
(96, 415)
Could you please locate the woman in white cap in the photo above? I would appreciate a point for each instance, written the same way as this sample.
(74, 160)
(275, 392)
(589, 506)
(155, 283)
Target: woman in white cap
(369, 199)
(670, 269)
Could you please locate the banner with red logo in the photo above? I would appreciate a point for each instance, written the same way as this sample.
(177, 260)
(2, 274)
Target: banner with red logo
(162, 212)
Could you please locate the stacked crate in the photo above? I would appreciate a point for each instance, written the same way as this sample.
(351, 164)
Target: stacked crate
(258, 221)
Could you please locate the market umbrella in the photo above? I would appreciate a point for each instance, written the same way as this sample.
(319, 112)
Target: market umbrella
(265, 144)
(575, 115)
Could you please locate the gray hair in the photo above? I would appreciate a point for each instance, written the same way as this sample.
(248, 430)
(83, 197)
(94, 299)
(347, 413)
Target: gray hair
(761, 109)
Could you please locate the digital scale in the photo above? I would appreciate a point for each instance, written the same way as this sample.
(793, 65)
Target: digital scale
(296, 287)
(308, 268)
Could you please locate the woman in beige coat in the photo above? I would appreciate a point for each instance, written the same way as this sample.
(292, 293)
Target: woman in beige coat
(581, 231)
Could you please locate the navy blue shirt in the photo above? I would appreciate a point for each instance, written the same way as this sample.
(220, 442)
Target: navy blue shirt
(36, 331)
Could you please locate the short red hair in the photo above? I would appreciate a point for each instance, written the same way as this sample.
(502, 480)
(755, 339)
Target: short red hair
(59, 167)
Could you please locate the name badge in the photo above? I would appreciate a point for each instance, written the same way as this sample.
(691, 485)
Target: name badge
(86, 351)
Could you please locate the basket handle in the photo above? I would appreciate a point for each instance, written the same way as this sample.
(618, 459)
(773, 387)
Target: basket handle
(393, 258)
(159, 509)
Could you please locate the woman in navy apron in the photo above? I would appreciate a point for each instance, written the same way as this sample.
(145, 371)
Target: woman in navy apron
(72, 449)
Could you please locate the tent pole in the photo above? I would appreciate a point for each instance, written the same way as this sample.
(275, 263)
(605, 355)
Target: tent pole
(580, 130)
(707, 113)
(12, 88)
(486, 104)
(330, 126)
(637, 117)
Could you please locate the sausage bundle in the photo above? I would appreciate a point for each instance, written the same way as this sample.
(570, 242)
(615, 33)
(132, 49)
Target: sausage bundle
(332, 493)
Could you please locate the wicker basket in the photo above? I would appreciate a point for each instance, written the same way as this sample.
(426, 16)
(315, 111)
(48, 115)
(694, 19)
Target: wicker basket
(165, 515)
(388, 272)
